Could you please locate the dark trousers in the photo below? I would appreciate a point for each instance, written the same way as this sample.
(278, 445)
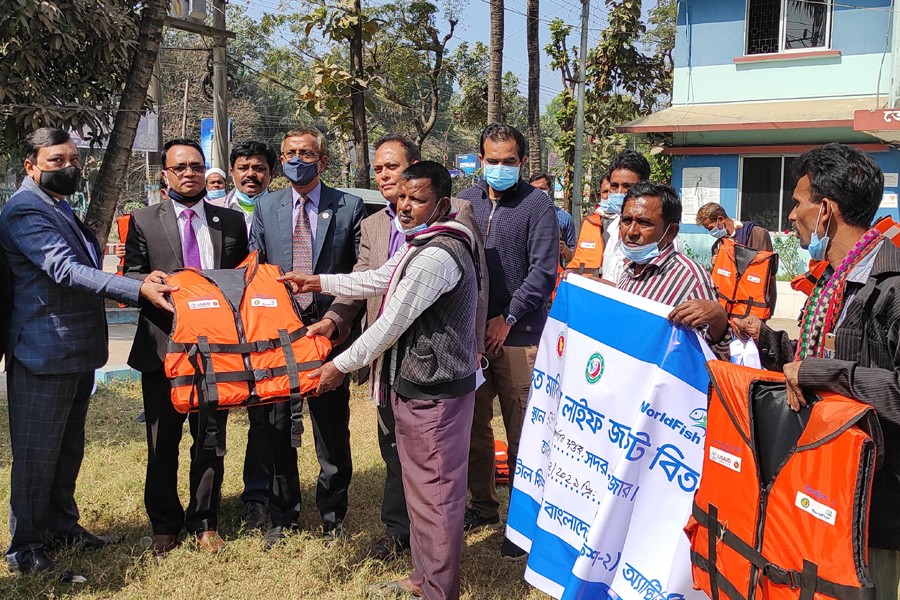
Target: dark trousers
(46, 425)
(393, 505)
(256, 469)
(330, 416)
(433, 441)
(164, 429)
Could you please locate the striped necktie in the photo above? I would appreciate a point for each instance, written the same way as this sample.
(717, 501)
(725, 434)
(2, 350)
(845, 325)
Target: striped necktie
(303, 250)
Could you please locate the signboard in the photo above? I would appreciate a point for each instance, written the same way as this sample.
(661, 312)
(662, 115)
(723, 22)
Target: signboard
(207, 133)
(468, 163)
(611, 449)
(699, 185)
(145, 139)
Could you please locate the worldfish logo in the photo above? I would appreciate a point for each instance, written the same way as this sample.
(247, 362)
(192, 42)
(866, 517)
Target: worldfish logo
(676, 424)
(594, 370)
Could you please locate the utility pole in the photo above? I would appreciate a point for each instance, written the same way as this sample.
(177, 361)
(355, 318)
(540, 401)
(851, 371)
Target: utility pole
(184, 109)
(220, 90)
(156, 97)
(578, 175)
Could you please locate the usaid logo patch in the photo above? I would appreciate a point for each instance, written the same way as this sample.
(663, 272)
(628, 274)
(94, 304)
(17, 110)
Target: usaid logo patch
(753, 279)
(200, 304)
(264, 302)
(720, 457)
(588, 245)
(723, 272)
(815, 508)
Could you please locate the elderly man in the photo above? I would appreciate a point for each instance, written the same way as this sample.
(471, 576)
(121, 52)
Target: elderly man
(311, 228)
(57, 337)
(848, 344)
(380, 240)
(424, 342)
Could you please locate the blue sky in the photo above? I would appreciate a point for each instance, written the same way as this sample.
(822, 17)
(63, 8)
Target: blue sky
(474, 25)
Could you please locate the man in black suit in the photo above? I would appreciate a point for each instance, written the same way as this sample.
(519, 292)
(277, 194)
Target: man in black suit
(182, 232)
(312, 228)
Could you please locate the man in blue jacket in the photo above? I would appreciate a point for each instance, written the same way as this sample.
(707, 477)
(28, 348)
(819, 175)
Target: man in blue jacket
(521, 243)
(57, 337)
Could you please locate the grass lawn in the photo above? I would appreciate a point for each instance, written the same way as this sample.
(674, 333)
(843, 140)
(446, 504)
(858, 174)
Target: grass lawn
(110, 496)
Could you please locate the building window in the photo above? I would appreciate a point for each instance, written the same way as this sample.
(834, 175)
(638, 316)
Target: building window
(767, 187)
(788, 25)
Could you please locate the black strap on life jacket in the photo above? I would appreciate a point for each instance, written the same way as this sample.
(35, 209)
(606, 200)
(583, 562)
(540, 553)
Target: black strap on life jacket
(244, 348)
(807, 580)
(296, 398)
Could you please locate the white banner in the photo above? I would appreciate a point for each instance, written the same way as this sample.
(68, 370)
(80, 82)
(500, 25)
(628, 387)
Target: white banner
(611, 449)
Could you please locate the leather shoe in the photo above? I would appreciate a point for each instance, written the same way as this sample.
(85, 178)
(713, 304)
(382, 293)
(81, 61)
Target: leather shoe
(333, 534)
(388, 547)
(273, 536)
(255, 515)
(163, 544)
(85, 539)
(210, 541)
(402, 588)
(36, 562)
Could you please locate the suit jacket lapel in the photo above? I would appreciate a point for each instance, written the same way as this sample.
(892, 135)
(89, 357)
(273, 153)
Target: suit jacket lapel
(381, 245)
(326, 216)
(214, 222)
(169, 225)
(76, 230)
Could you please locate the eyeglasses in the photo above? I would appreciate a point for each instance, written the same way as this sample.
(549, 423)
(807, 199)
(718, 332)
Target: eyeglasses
(182, 169)
(305, 155)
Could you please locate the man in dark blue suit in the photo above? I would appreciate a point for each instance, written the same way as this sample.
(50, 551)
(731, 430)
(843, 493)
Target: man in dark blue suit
(312, 228)
(57, 337)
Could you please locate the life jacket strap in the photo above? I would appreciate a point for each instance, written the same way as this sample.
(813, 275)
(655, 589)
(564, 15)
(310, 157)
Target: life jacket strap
(245, 348)
(254, 375)
(807, 580)
(294, 379)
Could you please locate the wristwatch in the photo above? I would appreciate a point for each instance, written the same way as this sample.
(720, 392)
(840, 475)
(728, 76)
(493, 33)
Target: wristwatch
(511, 320)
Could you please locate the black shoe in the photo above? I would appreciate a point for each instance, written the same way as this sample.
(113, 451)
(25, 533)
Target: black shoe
(84, 538)
(388, 547)
(273, 536)
(333, 533)
(509, 551)
(473, 521)
(141, 418)
(255, 515)
(36, 562)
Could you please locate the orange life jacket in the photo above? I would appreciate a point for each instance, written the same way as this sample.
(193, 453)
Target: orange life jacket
(501, 462)
(237, 340)
(588, 257)
(122, 225)
(782, 509)
(742, 276)
(807, 281)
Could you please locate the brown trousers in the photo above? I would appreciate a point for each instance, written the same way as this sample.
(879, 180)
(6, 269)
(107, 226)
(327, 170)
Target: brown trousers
(432, 440)
(509, 377)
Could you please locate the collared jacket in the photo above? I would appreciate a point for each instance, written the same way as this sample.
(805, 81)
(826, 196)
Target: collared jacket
(866, 367)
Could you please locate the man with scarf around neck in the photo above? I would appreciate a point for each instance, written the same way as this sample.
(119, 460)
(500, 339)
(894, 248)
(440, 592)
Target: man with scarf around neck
(850, 326)
(424, 347)
(184, 231)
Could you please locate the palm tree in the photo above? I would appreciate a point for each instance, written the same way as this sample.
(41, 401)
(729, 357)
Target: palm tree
(495, 72)
(534, 84)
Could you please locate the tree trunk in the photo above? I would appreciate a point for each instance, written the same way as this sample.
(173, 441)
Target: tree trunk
(357, 102)
(495, 73)
(114, 169)
(535, 157)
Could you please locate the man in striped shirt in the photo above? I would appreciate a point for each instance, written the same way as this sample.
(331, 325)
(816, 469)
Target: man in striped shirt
(654, 269)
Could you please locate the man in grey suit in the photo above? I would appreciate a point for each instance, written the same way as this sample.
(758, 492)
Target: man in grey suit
(380, 239)
(159, 242)
(312, 228)
(57, 337)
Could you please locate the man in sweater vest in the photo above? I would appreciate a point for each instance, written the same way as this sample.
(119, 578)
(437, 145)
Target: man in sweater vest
(424, 347)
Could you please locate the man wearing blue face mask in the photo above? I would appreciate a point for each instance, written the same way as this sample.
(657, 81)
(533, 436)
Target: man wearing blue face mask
(521, 242)
(314, 229)
(626, 169)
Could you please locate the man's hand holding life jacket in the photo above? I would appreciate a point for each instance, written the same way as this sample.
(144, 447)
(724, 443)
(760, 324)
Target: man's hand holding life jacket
(329, 378)
(795, 397)
(156, 293)
(301, 282)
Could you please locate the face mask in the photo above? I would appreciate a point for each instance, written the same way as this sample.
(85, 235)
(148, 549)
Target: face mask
(642, 254)
(186, 200)
(718, 232)
(300, 172)
(501, 177)
(216, 194)
(613, 205)
(818, 246)
(414, 230)
(61, 181)
(245, 200)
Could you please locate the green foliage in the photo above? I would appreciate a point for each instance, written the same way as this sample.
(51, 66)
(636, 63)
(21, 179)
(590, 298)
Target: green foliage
(791, 264)
(704, 259)
(470, 65)
(63, 63)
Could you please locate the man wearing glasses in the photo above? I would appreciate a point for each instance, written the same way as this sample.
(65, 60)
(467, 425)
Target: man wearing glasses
(311, 228)
(184, 232)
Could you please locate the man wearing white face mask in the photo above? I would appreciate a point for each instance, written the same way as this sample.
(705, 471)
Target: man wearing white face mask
(521, 242)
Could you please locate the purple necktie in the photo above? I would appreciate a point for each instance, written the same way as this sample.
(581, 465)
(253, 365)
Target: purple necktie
(302, 250)
(191, 246)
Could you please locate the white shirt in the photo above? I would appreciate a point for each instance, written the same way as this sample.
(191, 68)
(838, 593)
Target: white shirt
(201, 229)
(429, 274)
(312, 209)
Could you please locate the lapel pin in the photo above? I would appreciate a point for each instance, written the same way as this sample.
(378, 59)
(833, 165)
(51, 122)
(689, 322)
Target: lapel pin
(215, 219)
(325, 215)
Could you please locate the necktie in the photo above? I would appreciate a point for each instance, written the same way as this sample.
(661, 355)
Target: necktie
(303, 250)
(189, 240)
(70, 214)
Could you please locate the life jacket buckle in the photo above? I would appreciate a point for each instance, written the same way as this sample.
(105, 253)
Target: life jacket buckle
(262, 374)
(263, 345)
(776, 574)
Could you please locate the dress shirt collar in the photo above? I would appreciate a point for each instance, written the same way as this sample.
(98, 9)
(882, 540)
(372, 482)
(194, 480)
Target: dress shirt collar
(199, 210)
(314, 195)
